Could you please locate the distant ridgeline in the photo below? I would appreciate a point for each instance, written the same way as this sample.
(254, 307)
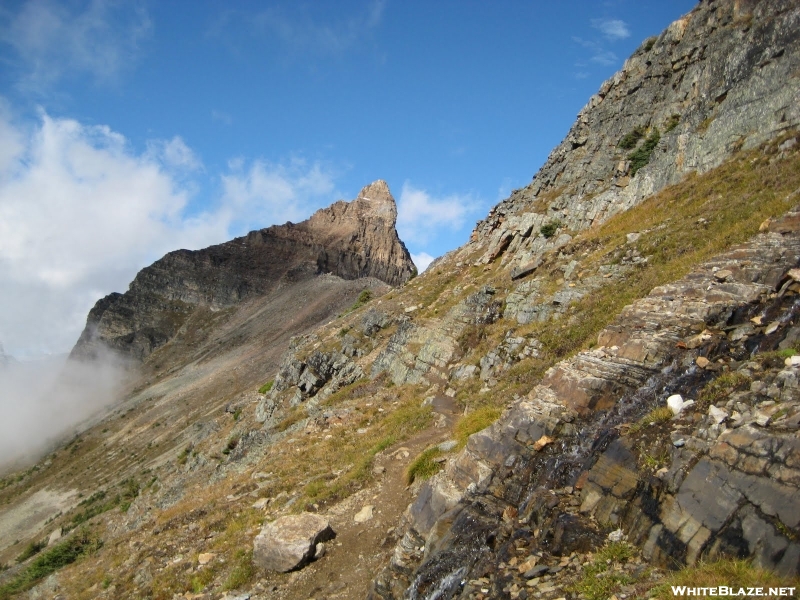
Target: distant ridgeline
(348, 239)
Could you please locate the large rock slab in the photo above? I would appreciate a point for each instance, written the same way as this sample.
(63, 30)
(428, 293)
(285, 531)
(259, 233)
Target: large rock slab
(290, 542)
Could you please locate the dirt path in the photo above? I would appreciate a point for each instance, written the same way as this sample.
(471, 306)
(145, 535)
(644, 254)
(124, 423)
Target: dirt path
(360, 550)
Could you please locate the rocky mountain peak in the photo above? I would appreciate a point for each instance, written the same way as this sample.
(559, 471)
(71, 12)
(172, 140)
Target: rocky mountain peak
(377, 197)
(719, 79)
(373, 206)
(350, 240)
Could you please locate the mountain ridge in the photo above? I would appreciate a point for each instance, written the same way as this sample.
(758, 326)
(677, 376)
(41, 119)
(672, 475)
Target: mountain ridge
(350, 240)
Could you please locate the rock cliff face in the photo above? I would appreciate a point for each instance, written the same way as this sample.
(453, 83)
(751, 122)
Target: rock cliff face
(348, 239)
(722, 78)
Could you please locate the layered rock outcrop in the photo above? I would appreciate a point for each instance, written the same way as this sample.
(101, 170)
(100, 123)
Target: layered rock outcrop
(348, 239)
(722, 78)
(570, 455)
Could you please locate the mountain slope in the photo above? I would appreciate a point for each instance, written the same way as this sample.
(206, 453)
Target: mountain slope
(481, 431)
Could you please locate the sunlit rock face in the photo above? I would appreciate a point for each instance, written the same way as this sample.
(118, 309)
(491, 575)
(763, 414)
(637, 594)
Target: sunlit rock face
(348, 239)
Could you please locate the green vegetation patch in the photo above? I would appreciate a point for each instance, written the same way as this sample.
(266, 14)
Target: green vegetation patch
(242, 572)
(364, 297)
(130, 489)
(630, 139)
(31, 549)
(722, 387)
(476, 421)
(100, 502)
(641, 156)
(550, 228)
(601, 579)
(424, 466)
(80, 544)
(266, 387)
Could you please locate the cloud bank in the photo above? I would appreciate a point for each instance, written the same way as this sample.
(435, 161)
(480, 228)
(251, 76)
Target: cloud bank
(81, 212)
(43, 401)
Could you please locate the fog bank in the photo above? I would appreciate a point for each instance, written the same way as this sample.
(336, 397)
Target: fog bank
(45, 401)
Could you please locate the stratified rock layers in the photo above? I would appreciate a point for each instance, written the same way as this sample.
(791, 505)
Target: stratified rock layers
(722, 78)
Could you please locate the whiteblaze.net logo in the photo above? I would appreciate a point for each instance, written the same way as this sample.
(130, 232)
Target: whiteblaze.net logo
(725, 590)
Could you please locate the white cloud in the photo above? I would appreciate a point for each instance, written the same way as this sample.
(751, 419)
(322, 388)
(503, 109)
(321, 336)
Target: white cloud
(174, 153)
(420, 215)
(81, 213)
(605, 58)
(422, 260)
(613, 29)
(52, 39)
(298, 31)
(275, 193)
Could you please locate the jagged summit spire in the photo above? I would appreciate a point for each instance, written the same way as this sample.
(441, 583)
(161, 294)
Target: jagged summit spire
(381, 202)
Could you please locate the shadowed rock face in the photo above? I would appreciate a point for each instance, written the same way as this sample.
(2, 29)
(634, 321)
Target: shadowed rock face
(348, 239)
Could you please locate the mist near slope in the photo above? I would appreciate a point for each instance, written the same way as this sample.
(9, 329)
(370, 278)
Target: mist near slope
(43, 402)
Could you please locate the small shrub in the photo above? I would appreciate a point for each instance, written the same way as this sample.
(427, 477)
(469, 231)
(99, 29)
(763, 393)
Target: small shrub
(184, 455)
(722, 387)
(266, 387)
(31, 549)
(231, 445)
(548, 230)
(658, 415)
(130, 489)
(641, 156)
(630, 139)
(599, 581)
(648, 45)
(424, 466)
(672, 123)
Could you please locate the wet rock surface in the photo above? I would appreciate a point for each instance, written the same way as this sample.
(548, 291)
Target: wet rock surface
(652, 479)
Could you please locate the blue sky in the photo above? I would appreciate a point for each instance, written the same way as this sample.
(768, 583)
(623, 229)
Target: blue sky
(128, 129)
